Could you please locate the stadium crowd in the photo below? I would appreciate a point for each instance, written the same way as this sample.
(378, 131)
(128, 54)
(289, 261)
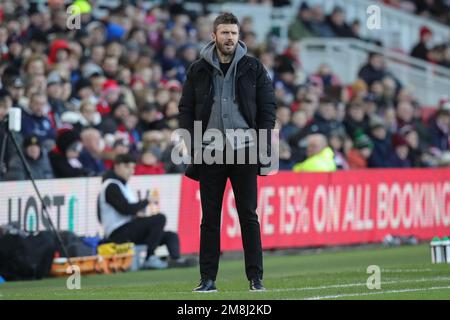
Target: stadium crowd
(113, 85)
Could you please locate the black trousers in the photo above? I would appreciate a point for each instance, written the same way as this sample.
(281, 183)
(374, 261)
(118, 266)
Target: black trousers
(213, 178)
(148, 231)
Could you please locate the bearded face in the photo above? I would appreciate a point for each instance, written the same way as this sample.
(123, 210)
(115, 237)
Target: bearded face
(226, 38)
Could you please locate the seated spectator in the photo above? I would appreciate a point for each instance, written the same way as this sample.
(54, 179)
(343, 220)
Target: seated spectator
(149, 118)
(87, 117)
(92, 152)
(123, 218)
(36, 122)
(374, 70)
(55, 101)
(329, 79)
(338, 140)
(286, 162)
(64, 157)
(324, 121)
(336, 20)
(400, 157)
(119, 113)
(36, 158)
(320, 157)
(422, 49)
(439, 128)
(358, 156)
(283, 115)
(120, 146)
(416, 153)
(110, 94)
(16, 89)
(356, 119)
(318, 23)
(298, 122)
(300, 28)
(149, 164)
(382, 148)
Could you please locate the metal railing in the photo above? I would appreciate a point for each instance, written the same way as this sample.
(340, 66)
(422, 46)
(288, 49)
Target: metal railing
(428, 82)
(398, 30)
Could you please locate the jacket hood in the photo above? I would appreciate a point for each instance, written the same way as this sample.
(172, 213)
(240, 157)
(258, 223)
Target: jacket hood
(208, 53)
(57, 45)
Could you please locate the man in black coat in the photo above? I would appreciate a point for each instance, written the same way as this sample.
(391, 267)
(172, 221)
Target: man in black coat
(227, 90)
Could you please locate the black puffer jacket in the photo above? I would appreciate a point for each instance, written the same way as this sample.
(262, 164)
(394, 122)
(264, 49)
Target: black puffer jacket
(254, 93)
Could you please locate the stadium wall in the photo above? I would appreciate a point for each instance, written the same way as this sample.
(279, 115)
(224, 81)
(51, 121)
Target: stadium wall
(295, 210)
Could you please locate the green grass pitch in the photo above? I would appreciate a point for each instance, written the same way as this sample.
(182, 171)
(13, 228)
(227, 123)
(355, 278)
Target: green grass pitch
(406, 273)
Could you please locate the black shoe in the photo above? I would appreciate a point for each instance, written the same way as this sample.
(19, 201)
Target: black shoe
(205, 286)
(256, 285)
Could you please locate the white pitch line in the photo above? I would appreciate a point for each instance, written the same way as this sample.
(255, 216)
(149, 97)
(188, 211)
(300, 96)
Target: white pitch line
(374, 293)
(348, 285)
(405, 270)
(360, 284)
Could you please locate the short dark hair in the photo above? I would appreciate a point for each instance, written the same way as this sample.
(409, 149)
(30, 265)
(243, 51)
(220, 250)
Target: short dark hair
(124, 158)
(225, 18)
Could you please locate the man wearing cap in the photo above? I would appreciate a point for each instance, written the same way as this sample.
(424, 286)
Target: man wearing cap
(16, 90)
(421, 50)
(36, 158)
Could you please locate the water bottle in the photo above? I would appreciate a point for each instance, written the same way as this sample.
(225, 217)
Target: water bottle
(446, 246)
(437, 252)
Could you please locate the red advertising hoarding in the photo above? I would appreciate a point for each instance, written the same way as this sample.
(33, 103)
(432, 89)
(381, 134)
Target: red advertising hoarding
(345, 207)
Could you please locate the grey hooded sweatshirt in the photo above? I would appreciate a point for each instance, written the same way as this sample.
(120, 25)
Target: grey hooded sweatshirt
(225, 113)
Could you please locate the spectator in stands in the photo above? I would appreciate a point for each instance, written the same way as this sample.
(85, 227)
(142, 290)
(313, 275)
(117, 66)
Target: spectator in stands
(318, 24)
(400, 157)
(301, 28)
(433, 8)
(36, 122)
(298, 122)
(149, 118)
(37, 161)
(64, 157)
(284, 118)
(422, 49)
(358, 156)
(120, 146)
(116, 119)
(439, 128)
(286, 162)
(329, 79)
(16, 89)
(336, 20)
(324, 121)
(382, 148)
(149, 163)
(405, 114)
(92, 153)
(123, 218)
(374, 70)
(338, 142)
(356, 119)
(320, 157)
(54, 95)
(416, 152)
